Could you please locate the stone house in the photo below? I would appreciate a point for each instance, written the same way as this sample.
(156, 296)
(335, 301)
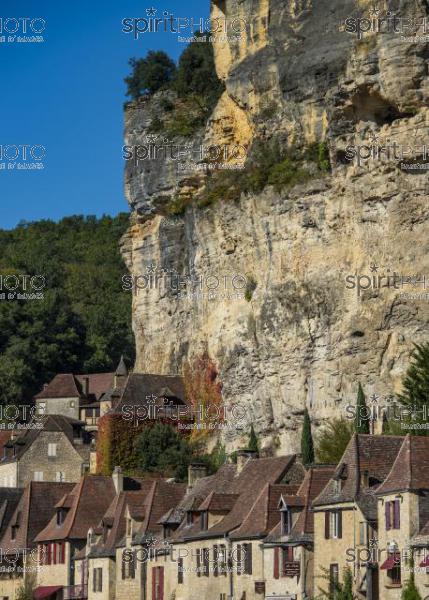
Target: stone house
(66, 534)
(54, 448)
(24, 519)
(288, 550)
(403, 516)
(78, 396)
(203, 559)
(345, 514)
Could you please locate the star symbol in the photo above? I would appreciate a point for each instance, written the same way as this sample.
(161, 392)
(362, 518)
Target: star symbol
(374, 268)
(151, 399)
(151, 138)
(151, 268)
(374, 398)
(151, 12)
(374, 11)
(373, 542)
(373, 137)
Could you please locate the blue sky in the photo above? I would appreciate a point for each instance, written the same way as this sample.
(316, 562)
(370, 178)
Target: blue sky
(67, 95)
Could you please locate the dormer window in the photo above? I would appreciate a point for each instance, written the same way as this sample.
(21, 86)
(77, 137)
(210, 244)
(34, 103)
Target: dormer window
(337, 486)
(189, 519)
(204, 520)
(61, 513)
(13, 532)
(286, 520)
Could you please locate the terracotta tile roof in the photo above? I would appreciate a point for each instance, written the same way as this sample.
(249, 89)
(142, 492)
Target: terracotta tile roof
(9, 499)
(91, 498)
(371, 456)
(264, 513)
(315, 480)
(218, 502)
(410, 471)
(64, 385)
(33, 512)
(246, 485)
(48, 423)
(98, 383)
(140, 388)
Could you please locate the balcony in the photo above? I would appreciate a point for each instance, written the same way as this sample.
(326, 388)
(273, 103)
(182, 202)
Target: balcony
(75, 592)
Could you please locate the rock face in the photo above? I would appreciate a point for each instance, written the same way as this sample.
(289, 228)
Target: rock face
(308, 332)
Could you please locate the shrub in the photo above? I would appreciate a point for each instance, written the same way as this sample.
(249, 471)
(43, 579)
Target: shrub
(250, 288)
(333, 440)
(149, 74)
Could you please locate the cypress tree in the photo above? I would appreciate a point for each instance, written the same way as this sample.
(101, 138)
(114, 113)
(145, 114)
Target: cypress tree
(253, 440)
(415, 394)
(307, 446)
(362, 413)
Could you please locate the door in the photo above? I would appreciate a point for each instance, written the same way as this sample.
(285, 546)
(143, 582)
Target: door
(158, 583)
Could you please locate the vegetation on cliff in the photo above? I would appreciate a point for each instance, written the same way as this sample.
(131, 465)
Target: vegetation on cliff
(83, 322)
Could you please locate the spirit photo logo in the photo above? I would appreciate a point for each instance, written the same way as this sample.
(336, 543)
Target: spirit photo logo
(22, 156)
(22, 25)
(381, 23)
(387, 151)
(169, 23)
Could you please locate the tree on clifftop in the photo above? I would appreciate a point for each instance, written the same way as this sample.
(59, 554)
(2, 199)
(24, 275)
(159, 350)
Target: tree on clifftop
(362, 413)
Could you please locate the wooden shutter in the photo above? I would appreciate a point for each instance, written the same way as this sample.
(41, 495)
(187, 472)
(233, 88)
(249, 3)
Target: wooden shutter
(206, 559)
(340, 524)
(327, 525)
(239, 559)
(396, 514)
(387, 516)
(123, 565)
(198, 563)
(276, 563)
(248, 559)
(154, 572)
(290, 554)
(161, 584)
(180, 570)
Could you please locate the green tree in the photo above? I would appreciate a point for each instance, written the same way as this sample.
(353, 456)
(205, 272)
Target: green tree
(162, 449)
(149, 74)
(333, 440)
(410, 591)
(362, 413)
(253, 444)
(338, 590)
(196, 74)
(307, 446)
(415, 393)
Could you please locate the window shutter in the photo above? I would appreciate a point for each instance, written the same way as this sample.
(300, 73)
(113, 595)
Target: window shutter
(94, 584)
(63, 553)
(123, 566)
(198, 563)
(396, 514)
(290, 553)
(239, 559)
(215, 560)
(248, 559)
(180, 570)
(161, 583)
(387, 515)
(340, 523)
(49, 554)
(154, 570)
(327, 525)
(276, 563)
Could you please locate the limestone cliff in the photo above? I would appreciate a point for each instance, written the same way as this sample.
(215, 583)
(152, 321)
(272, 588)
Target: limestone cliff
(306, 334)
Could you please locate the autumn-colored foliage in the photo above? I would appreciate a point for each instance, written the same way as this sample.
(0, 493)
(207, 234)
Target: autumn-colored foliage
(204, 393)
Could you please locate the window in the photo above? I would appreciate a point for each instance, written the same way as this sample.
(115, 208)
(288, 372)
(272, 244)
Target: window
(129, 527)
(189, 519)
(180, 575)
(60, 476)
(128, 564)
(204, 520)
(394, 575)
(13, 532)
(97, 579)
(72, 404)
(52, 449)
(38, 476)
(333, 580)
(363, 533)
(206, 562)
(392, 512)
(222, 559)
(286, 519)
(42, 408)
(333, 524)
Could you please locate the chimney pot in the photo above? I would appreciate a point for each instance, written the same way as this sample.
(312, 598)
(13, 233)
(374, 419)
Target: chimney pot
(196, 471)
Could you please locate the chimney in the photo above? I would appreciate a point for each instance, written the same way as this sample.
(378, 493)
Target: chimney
(243, 456)
(118, 479)
(86, 386)
(196, 471)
